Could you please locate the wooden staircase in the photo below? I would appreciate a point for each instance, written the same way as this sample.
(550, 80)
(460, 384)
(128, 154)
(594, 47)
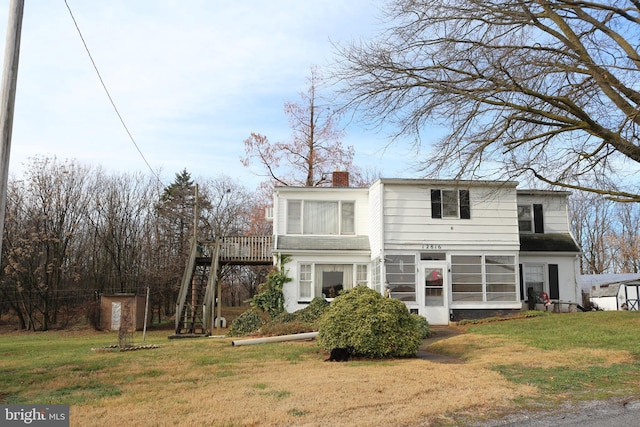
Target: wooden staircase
(197, 297)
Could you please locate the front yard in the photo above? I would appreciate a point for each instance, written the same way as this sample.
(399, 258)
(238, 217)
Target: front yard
(505, 366)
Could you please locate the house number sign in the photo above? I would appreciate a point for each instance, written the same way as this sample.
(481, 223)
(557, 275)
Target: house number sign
(431, 246)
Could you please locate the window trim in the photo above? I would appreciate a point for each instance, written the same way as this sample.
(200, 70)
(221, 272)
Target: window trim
(536, 211)
(301, 218)
(545, 282)
(312, 282)
(463, 201)
(484, 281)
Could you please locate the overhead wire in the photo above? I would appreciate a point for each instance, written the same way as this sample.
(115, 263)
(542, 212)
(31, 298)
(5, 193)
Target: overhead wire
(104, 86)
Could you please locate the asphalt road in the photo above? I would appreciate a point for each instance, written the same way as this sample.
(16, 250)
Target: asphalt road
(609, 413)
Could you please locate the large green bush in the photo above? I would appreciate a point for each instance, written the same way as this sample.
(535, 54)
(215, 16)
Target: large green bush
(255, 321)
(247, 323)
(270, 297)
(369, 325)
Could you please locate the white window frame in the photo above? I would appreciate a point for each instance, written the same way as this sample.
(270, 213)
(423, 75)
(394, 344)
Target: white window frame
(345, 226)
(530, 219)
(483, 277)
(307, 277)
(545, 278)
(362, 277)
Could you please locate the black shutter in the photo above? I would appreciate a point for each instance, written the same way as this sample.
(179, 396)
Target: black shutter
(538, 220)
(436, 204)
(523, 296)
(465, 207)
(554, 285)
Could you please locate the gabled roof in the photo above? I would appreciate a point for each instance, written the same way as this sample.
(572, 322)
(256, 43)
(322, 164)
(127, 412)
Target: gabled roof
(322, 243)
(447, 182)
(552, 242)
(607, 291)
(588, 281)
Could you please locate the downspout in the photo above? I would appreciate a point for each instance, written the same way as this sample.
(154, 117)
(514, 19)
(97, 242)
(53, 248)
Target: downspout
(383, 267)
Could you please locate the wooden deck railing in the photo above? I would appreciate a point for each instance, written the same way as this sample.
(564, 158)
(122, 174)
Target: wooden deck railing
(242, 249)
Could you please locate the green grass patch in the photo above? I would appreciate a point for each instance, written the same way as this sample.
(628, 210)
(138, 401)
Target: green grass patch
(590, 382)
(614, 330)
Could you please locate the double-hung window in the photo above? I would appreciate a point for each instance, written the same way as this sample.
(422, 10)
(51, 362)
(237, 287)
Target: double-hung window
(450, 204)
(315, 217)
(530, 218)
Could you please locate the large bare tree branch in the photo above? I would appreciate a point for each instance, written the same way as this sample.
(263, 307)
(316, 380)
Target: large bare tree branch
(524, 86)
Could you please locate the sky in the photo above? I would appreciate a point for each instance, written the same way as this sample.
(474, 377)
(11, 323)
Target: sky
(191, 80)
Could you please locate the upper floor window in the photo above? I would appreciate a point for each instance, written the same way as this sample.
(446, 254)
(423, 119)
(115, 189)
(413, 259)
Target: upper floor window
(320, 217)
(530, 219)
(450, 204)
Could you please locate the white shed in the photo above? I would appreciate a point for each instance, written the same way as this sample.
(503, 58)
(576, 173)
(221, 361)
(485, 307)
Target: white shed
(613, 291)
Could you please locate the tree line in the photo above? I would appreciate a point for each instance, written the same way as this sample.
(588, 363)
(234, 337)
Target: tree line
(74, 232)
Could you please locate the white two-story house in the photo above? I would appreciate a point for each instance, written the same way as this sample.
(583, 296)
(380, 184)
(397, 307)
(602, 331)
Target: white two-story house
(447, 249)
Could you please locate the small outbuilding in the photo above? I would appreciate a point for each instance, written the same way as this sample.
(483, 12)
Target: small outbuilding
(613, 291)
(126, 310)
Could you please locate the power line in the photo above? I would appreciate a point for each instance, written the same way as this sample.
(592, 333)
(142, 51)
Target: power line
(104, 86)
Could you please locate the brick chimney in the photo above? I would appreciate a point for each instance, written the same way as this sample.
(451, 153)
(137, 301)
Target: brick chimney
(340, 179)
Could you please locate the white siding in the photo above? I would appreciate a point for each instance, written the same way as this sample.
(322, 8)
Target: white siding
(290, 289)
(569, 290)
(555, 211)
(375, 219)
(282, 194)
(408, 223)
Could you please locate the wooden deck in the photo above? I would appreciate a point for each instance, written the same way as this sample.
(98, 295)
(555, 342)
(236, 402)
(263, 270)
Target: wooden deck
(200, 284)
(240, 250)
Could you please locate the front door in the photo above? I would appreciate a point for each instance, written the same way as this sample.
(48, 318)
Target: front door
(434, 302)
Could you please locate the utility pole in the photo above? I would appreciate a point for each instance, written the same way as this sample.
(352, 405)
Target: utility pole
(9, 82)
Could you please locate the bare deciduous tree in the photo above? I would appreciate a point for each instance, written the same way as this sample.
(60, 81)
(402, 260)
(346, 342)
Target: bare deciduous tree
(547, 88)
(315, 149)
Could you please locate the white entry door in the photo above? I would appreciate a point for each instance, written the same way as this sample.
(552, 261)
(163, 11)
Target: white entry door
(434, 295)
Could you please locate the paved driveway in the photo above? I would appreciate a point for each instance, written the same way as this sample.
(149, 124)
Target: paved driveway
(595, 413)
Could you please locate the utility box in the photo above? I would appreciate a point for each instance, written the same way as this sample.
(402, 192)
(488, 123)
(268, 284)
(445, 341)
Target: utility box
(122, 310)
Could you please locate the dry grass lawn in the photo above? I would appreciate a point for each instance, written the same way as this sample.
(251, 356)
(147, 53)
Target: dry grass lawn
(298, 393)
(209, 382)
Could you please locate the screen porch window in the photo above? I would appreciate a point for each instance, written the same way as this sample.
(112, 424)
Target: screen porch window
(488, 278)
(501, 278)
(314, 217)
(361, 275)
(466, 275)
(401, 276)
(376, 281)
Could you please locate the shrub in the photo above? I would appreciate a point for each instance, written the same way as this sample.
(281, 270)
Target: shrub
(305, 320)
(369, 325)
(422, 325)
(270, 298)
(247, 323)
(286, 328)
(313, 311)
